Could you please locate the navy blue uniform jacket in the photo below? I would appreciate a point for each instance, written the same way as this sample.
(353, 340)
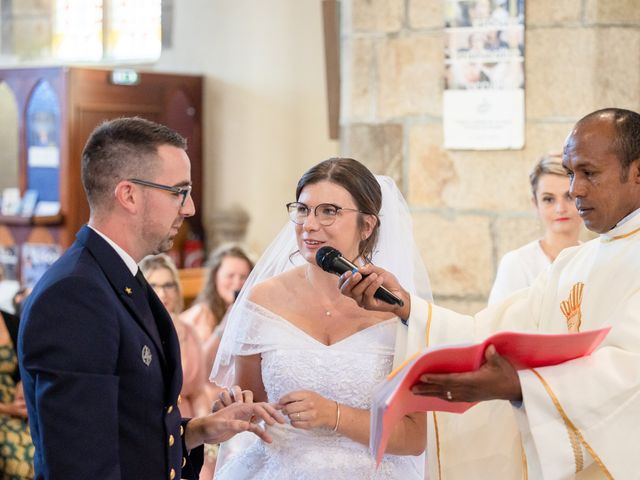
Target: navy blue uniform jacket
(101, 375)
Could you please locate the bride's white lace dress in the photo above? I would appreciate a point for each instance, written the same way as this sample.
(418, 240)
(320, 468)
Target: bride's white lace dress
(346, 371)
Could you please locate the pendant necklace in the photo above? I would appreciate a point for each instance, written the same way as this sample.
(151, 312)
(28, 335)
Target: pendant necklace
(327, 312)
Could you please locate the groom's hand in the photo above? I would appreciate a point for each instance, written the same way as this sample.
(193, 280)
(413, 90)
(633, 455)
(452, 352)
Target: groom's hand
(362, 286)
(236, 418)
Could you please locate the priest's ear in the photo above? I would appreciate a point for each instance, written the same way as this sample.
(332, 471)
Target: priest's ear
(633, 173)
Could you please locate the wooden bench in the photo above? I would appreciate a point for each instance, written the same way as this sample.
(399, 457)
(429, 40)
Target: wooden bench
(192, 281)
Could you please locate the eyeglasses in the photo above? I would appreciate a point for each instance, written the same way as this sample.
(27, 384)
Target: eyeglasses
(326, 213)
(166, 287)
(177, 191)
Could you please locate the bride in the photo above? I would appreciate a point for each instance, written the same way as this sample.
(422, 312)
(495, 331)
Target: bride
(294, 340)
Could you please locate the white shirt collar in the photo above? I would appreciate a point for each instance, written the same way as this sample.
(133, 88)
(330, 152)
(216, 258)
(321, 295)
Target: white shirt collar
(628, 217)
(126, 258)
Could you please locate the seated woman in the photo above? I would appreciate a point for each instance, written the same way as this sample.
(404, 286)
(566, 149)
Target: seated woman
(16, 448)
(228, 269)
(559, 217)
(294, 339)
(162, 275)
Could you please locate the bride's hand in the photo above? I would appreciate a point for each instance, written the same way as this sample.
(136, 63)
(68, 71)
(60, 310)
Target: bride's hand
(308, 410)
(229, 396)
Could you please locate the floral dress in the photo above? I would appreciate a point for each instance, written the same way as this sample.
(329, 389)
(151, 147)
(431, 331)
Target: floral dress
(16, 448)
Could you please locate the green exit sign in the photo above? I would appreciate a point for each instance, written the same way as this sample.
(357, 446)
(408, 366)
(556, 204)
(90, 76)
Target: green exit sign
(125, 77)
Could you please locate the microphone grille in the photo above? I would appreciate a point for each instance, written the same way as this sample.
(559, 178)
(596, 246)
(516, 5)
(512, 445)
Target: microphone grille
(325, 257)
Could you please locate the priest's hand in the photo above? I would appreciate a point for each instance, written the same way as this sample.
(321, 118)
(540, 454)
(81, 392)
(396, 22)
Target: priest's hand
(238, 417)
(362, 285)
(495, 379)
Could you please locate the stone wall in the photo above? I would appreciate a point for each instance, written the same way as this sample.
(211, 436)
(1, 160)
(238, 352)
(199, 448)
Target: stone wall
(470, 207)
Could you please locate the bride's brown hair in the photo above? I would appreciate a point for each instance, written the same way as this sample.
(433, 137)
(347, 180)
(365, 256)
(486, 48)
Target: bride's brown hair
(356, 179)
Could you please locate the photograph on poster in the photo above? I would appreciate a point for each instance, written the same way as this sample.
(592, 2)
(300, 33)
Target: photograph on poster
(493, 75)
(486, 44)
(482, 13)
(36, 259)
(483, 104)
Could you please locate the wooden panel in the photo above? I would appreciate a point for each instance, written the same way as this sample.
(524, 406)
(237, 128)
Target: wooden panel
(41, 235)
(6, 238)
(87, 97)
(95, 99)
(181, 114)
(192, 280)
(330, 9)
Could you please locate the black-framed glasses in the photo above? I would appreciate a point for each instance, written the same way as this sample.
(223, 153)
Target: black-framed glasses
(177, 191)
(326, 213)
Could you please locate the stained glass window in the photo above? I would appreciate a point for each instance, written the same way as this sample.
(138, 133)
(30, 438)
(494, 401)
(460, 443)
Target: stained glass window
(77, 30)
(43, 143)
(94, 30)
(133, 29)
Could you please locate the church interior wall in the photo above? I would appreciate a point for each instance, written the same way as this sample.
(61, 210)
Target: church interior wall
(265, 112)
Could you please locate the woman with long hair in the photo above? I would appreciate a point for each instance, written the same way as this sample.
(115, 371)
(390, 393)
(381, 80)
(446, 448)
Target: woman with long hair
(228, 268)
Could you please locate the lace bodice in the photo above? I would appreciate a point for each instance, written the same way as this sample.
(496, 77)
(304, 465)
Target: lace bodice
(346, 371)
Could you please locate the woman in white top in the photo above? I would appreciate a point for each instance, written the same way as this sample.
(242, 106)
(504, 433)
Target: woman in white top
(557, 212)
(292, 338)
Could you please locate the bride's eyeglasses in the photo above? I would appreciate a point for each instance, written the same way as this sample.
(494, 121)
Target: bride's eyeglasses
(326, 213)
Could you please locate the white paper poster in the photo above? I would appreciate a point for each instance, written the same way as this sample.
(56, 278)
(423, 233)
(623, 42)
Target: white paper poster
(483, 105)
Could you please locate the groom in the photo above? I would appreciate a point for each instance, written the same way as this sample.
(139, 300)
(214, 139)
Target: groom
(580, 418)
(99, 356)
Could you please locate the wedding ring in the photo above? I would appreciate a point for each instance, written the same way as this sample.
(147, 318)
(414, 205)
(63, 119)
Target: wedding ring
(449, 396)
(297, 415)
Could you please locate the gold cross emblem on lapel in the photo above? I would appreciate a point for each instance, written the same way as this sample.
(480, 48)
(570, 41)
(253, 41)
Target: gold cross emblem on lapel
(128, 291)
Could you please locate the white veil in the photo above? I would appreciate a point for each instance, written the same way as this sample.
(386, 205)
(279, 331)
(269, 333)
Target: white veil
(395, 251)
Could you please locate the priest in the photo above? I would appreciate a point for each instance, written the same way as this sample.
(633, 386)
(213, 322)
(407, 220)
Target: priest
(580, 419)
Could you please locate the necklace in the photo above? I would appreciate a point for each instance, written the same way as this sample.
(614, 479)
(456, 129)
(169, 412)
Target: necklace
(327, 311)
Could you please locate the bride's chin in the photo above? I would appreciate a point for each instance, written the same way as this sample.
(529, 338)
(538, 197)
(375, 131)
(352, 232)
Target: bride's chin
(309, 256)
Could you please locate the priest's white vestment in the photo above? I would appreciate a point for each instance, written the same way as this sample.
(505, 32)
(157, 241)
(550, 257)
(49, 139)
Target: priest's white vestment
(580, 419)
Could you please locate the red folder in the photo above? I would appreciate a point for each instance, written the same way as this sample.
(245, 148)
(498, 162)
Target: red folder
(393, 399)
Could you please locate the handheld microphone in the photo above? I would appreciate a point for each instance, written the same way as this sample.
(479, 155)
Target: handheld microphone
(332, 261)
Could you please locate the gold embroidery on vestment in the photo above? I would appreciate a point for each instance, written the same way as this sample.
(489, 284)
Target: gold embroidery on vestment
(426, 340)
(620, 237)
(435, 427)
(402, 365)
(525, 468)
(573, 432)
(435, 421)
(570, 308)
